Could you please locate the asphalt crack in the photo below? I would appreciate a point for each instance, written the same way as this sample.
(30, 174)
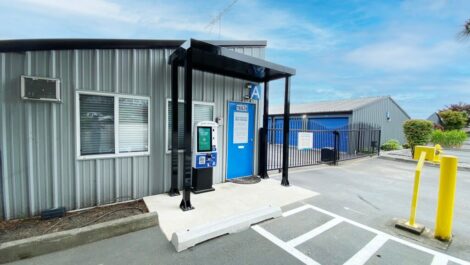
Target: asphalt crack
(368, 202)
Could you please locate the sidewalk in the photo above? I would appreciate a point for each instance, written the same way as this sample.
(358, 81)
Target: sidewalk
(405, 156)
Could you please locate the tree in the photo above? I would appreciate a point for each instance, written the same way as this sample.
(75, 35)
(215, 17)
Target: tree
(460, 107)
(465, 33)
(453, 120)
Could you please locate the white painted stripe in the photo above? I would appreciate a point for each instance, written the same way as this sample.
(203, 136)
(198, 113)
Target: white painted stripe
(439, 260)
(291, 250)
(363, 255)
(315, 232)
(296, 210)
(390, 237)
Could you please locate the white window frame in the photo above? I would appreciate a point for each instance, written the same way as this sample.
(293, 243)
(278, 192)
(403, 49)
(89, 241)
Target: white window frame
(167, 130)
(116, 125)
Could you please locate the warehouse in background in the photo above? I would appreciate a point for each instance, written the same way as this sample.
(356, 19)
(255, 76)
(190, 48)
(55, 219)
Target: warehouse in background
(382, 112)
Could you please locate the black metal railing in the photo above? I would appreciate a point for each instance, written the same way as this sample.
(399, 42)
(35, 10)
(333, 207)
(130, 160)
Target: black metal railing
(328, 146)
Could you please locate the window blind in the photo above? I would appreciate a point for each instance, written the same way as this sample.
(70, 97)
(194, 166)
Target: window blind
(96, 125)
(202, 112)
(133, 125)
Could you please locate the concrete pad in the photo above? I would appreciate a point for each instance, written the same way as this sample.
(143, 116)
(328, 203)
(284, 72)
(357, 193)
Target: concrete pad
(189, 238)
(416, 229)
(227, 200)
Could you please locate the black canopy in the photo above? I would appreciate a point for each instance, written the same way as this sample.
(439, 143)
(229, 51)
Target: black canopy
(219, 60)
(203, 56)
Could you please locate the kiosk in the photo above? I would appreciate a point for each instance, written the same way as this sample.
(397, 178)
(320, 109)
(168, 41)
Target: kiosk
(204, 155)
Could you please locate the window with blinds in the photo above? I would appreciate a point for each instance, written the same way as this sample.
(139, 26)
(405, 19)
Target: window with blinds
(99, 122)
(133, 125)
(96, 125)
(201, 112)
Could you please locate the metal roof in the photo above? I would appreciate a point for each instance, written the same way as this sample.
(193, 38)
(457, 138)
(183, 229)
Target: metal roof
(332, 106)
(23, 45)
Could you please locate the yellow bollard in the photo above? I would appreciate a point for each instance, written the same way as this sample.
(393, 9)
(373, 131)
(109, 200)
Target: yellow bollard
(414, 200)
(438, 152)
(445, 203)
(411, 225)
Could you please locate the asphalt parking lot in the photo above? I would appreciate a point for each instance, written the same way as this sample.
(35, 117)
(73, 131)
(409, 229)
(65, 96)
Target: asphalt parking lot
(348, 223)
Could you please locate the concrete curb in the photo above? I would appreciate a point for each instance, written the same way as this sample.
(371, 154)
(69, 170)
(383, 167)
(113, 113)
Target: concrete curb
(463, 168)
(39, 245)
(190, 237)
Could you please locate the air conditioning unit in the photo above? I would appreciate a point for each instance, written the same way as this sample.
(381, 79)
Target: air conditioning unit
(40, 88)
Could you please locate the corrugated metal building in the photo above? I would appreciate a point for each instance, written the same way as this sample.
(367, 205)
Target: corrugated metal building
(383, 112)
(436, 119)
(44, 164)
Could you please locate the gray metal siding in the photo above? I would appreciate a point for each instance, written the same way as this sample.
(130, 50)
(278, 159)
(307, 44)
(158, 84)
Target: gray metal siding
(376, 113)
(38, 140)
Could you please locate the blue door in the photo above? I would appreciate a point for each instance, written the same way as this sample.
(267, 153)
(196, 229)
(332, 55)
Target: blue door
(241, 134)
(322, 140)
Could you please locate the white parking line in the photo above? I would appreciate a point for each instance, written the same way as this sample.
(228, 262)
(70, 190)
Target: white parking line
(291, 250)
(313, 233)
(396, 239)
(296, 210)
(363, 255)
(439, 260)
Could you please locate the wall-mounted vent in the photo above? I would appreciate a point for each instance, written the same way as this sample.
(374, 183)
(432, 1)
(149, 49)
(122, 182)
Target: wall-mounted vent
(40, 88)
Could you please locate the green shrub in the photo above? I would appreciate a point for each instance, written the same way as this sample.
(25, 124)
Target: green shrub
(406, 146)
(417, 132)
(390, 145)
(453, 120)
(453, 138)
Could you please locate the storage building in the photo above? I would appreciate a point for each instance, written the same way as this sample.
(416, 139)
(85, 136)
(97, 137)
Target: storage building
(381, 112)
(86, 122)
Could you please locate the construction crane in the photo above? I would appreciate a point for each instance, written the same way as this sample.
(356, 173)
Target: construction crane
(218, 18)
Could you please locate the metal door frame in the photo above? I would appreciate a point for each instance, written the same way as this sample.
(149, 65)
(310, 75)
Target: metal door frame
(226, 131)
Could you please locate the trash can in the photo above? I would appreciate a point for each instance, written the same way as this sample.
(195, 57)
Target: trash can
(327, 154)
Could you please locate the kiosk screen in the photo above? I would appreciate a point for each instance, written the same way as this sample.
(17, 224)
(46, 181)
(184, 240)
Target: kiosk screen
(204, 136)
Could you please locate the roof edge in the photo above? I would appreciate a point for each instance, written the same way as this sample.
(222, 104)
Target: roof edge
(23, 45)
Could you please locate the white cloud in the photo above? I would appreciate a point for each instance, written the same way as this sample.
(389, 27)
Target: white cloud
(402, 56)
(283, 29)
(93, 8)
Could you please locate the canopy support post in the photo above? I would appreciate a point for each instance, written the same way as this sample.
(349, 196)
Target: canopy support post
(285, 143)
(185, 204)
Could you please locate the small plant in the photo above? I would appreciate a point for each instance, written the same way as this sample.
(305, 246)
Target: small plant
(417, 132)
(453, 120)
(390, 145)
(453, 138)
(406, 146)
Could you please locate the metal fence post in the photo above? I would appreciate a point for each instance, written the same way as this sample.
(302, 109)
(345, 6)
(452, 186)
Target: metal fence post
(379, 144)
(336, 147)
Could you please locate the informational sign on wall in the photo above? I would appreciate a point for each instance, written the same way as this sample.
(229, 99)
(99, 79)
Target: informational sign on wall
(305, 140)
(240, 127)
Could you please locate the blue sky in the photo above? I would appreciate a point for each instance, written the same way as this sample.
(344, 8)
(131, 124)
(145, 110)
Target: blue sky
(341, 49)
